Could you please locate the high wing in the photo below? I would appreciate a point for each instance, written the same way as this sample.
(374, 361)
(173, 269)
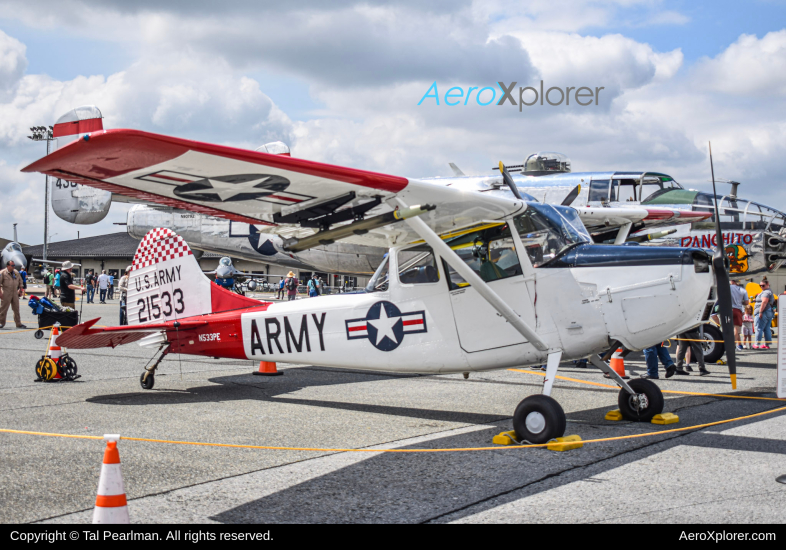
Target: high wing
(276, 193)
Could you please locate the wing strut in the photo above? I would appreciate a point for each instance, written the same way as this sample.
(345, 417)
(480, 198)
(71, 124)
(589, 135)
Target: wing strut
(421, 228)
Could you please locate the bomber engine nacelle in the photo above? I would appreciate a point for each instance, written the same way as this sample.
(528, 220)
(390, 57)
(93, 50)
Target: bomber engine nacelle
(71, 202)
(79, 204)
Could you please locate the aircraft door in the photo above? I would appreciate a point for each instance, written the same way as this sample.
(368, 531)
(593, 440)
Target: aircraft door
(480, 327)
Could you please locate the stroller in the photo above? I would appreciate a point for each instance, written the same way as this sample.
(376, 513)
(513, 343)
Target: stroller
(48, 314)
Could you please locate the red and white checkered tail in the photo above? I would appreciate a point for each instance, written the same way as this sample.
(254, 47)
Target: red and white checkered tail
(166, 282)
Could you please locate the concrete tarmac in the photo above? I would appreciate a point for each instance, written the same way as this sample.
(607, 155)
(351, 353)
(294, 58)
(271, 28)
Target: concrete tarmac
(719, 474)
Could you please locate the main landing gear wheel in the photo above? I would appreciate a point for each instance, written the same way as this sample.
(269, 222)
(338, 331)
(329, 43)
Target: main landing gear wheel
(713, 345)
(539, 419)
(149, 382)
(38, 334)
(641, 407)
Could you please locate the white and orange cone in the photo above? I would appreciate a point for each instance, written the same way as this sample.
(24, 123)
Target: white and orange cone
(617, 363)
(111, 505)
(267, 368)
(55, 352)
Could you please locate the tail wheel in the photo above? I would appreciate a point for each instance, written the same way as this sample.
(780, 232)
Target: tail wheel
(149, 382)
(646, 403)
(45, 368)
(539, 419)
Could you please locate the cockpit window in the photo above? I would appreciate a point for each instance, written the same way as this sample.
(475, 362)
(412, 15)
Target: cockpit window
(599, 190)
(671, 196)
(548, 231)
(490, 252)
(623, 190)
(417, 266)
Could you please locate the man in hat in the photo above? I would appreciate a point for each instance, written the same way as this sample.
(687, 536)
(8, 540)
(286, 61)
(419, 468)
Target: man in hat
(67, 286)
(291, 286)
(10, 292)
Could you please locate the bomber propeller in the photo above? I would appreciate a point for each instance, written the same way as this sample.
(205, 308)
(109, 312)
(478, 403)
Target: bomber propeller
(723, 288)
(570, 197)
(509, 181)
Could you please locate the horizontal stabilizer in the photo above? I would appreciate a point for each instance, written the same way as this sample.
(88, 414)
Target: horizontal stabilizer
(84, 336)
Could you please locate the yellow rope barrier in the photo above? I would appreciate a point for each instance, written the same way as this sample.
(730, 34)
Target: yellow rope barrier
(448, 450)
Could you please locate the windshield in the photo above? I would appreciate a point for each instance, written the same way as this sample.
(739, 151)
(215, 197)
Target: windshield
(548, 231)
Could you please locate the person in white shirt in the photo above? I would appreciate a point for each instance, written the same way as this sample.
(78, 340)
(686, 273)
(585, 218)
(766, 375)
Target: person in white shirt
(103, 285)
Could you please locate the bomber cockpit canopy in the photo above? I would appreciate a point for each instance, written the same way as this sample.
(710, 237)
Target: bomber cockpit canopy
(630, 186)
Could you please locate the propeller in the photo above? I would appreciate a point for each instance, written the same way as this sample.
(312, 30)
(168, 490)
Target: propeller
(723, 288)
(509, 181)
(568, 200)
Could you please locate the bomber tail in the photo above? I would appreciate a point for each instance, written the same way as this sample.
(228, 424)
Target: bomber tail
(166, 283)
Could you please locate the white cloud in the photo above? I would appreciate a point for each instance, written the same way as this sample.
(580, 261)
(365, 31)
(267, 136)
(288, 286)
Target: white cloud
(12, 64)
(750, 66)
(368, 64)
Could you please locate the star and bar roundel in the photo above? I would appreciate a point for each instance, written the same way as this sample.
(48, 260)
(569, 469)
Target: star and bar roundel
(385, 326)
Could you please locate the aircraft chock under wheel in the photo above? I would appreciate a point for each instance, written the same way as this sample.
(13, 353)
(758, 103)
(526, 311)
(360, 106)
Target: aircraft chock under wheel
(539, 419)
(644, 404)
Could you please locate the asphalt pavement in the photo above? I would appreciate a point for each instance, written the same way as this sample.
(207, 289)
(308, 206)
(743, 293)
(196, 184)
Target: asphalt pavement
(723, 473)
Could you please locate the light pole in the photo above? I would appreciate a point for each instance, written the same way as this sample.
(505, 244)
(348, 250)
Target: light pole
(15, 239)
(42, 133)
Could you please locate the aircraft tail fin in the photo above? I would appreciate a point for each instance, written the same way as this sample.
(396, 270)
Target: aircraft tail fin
(166, 283)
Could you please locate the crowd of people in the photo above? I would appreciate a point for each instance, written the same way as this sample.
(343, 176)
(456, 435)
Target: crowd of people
(752, 318)
(289, 286)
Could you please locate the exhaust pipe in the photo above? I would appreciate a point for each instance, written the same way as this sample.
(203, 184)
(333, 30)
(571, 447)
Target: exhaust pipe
(775, 242)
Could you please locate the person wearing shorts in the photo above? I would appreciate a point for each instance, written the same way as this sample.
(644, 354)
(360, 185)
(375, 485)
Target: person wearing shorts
(739, 299)
(747, 327)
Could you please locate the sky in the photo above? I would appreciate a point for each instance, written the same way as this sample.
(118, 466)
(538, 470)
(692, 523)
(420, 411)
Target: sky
(340, 82)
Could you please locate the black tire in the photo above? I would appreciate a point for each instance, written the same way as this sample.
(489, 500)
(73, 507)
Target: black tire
(38, 334)
(68, 366)
(149, 383)
(713, 350)
(653, 396)
(541, 429)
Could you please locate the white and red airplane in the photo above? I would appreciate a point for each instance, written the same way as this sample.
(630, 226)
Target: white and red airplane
(472, 282)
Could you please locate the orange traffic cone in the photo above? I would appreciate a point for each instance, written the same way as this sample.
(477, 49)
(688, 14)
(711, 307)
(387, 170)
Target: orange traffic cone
(618, 363)
(267, 368)
(111, 505)
(54, 352)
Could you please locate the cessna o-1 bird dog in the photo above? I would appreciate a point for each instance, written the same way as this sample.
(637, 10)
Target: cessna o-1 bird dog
(472, 282)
